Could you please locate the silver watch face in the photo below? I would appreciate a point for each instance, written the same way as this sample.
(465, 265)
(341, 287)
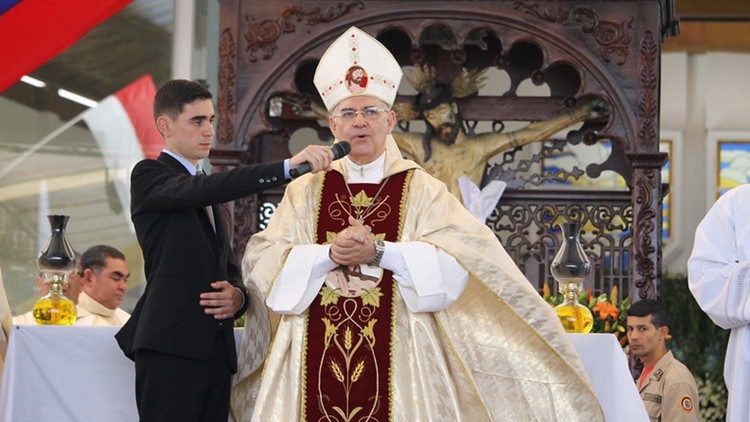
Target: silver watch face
(379, 249)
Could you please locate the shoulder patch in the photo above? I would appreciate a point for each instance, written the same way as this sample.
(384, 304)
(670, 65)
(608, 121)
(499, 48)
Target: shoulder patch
(686, 404)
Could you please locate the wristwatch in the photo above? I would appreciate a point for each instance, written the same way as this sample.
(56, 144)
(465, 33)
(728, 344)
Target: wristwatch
(379, 249)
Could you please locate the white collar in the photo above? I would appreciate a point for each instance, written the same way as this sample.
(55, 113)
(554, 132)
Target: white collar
(90, 304)
(371, 172)
(190, 167)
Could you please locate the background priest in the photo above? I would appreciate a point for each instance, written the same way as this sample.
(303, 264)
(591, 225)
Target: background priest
(104, 278)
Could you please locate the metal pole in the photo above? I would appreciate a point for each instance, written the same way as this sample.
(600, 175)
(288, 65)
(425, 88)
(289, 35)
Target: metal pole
(182, 41)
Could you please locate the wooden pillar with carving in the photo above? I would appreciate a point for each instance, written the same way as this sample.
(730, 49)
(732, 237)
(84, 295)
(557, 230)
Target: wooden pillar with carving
(646, 193)
(647, 161)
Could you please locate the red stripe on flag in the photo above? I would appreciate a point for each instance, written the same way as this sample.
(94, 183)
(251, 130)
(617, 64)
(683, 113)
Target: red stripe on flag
(35, 31)
(138, 101)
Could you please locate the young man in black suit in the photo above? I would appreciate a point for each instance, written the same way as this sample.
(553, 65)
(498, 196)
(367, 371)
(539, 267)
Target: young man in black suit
(180, 334)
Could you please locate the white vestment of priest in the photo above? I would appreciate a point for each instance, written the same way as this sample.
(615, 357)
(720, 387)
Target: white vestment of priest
(719, 278)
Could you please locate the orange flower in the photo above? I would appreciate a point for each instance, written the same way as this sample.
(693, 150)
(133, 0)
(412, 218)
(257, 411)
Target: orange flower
(606, 309)
(589, 294)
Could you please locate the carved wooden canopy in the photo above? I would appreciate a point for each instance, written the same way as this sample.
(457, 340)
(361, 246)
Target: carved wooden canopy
(582, 50)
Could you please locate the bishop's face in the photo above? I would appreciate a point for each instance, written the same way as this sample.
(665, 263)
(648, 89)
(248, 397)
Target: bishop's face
(366, 135)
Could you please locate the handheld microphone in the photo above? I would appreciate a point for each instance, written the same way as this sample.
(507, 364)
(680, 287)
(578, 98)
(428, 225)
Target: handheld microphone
(340, 149)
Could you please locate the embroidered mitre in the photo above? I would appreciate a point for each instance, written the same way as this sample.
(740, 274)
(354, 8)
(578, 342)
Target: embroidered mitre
(357, 64)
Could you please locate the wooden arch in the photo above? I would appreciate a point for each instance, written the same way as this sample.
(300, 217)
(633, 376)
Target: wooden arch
(268, 51)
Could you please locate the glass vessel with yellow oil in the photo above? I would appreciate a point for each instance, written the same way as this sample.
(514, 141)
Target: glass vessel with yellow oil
(570, 267)
(56, 262)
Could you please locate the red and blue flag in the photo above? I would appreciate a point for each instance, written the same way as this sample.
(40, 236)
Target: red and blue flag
(32, 32)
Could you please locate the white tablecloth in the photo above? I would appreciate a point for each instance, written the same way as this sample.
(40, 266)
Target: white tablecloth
(79, 374)
(607, 367)
(67, 374)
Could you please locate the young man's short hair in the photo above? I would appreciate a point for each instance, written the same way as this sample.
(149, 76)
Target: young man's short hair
(174, 94)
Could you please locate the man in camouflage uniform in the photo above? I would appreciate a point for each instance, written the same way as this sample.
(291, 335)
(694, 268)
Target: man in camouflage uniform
(666, 385)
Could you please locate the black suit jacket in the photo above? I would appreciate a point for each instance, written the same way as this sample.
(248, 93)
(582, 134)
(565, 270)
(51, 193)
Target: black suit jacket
(184, 255)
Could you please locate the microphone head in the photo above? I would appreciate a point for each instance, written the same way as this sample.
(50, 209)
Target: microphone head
(340, 149)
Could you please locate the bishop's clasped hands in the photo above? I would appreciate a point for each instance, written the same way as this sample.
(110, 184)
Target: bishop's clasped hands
(355, 245)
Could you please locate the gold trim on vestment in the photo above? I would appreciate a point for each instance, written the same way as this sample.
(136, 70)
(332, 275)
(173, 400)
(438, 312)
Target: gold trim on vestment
(303, 372)
(303, 363)
(319, 200)
(404, 197)
(397, 295)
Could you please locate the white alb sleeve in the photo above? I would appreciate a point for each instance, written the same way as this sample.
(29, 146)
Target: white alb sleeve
(719, 266)
(300, 279)
(429, 279)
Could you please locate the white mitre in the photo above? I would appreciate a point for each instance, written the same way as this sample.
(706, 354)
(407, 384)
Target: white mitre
(357, 64)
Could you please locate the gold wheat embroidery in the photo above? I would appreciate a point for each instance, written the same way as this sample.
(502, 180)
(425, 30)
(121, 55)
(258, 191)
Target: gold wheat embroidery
(358, 370)
(337, 371)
